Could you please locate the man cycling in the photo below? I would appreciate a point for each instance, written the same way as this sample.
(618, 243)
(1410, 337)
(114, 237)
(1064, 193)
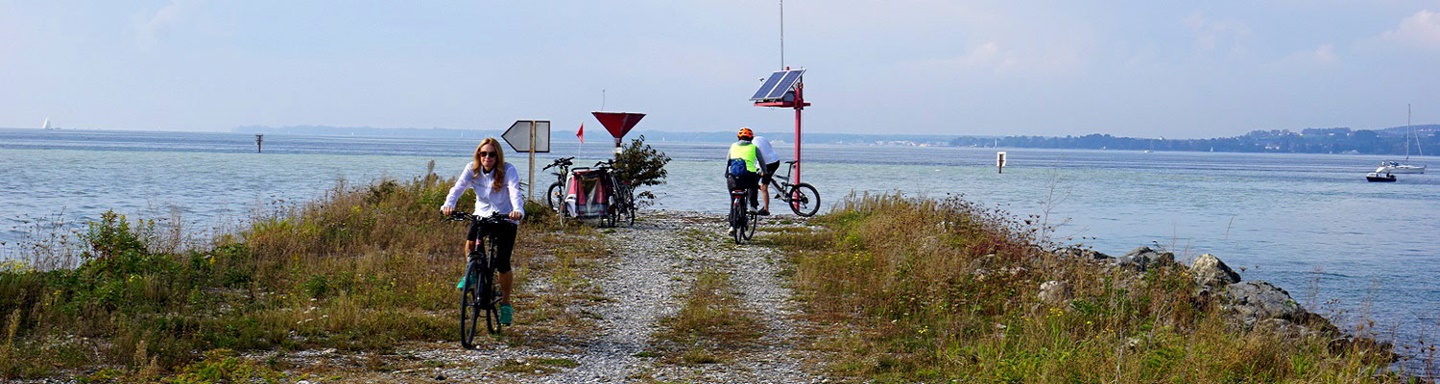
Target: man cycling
(743, 164)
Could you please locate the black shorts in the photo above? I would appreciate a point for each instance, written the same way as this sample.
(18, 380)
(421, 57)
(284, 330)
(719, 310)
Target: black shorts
(504, 244)
(769, 173)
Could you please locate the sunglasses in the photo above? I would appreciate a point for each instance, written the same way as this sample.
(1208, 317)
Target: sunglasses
(489, 154)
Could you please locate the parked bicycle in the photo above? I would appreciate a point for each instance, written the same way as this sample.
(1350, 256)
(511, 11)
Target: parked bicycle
(623, 207)
(480, 295)
(555, 194)
(803, 199)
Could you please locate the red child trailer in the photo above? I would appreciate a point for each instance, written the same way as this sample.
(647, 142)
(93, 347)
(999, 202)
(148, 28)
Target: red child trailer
(591, 192)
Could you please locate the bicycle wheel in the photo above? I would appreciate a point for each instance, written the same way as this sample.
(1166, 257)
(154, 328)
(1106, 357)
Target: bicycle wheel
(492, 312)
(804, 200)
(492, 292)
(629, 206)
(747, 227)
(555, 196)
(737, 219)
(612, 211)
(469, 312)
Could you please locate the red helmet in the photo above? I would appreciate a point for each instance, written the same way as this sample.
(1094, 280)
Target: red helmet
(745, 134)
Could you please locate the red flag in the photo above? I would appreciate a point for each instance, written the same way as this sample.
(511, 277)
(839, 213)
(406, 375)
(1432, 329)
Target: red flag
(581, 133)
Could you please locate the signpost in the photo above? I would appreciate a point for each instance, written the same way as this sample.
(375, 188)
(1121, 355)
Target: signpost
(618, 124)
(529, 136)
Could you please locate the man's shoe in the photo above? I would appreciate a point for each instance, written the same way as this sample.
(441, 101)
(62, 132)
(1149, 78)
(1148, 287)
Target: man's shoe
(506, 312)
(764, 212)
(463, 280)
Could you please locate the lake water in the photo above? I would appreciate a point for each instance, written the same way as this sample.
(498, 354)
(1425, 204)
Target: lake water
(1308, 223)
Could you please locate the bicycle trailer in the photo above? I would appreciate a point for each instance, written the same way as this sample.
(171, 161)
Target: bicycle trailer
(589, 193)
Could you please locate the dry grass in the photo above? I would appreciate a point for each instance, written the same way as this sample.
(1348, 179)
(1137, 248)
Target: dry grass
(947, 290)
(363, 268)
(709, 324)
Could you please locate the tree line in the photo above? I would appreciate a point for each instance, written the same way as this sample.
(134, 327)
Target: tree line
(1389, 141)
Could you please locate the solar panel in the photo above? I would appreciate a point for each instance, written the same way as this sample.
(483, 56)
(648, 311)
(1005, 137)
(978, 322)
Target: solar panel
(769, 84)
(777, 85)
(786, 84)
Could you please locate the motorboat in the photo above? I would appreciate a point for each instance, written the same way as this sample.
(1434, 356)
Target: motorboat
(1380, 176)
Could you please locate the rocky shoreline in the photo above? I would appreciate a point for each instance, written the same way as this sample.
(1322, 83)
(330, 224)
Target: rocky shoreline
(1248, 305)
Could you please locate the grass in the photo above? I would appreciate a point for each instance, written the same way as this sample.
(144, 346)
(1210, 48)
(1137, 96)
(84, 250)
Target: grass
(360, 269)
(923, 291)
(710, 322)
(940, 290)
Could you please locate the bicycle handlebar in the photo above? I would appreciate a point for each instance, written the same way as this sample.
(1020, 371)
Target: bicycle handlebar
(494, 218)
(561, 162)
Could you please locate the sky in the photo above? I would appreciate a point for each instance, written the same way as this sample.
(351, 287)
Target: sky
(1137, 69)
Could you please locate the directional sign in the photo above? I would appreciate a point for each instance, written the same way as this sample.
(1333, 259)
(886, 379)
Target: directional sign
(523, 133)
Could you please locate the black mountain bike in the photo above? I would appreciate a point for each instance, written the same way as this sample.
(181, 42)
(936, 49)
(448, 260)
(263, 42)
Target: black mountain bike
(802, 197)
(555, 195)
(480, 296)
(622, 204)
(743, 220)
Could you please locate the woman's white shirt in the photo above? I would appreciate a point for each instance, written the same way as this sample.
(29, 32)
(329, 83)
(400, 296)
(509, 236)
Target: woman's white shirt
(488, 200)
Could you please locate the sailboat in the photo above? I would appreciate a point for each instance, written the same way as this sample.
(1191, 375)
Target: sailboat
(1405, 167)
(47, 126)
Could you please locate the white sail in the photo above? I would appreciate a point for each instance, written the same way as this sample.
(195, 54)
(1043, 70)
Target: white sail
(47, 123)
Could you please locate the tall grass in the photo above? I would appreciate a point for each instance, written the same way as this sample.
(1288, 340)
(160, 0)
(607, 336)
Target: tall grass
(362, 268)
(937, 290)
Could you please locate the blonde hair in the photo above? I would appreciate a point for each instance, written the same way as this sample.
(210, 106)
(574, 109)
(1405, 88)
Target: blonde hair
(499, 162)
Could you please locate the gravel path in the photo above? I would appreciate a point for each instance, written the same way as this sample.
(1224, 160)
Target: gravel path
(656, 262)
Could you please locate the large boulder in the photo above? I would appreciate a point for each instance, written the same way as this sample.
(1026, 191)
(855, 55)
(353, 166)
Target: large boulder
(1253, 304)
(1144, 258)
(1210, 272)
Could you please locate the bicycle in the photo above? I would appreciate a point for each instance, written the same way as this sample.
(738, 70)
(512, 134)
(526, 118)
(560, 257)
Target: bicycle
(480, 294)
(555, 195)
(802, 198)
(743, 220)
(622, 202)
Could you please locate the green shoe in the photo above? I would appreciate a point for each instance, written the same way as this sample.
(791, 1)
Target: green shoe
(506, 312)
(463, 281)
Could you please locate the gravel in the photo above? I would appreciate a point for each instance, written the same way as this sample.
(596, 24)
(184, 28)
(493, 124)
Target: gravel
(655, 263)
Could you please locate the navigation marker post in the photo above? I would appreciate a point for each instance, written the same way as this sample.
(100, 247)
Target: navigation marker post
(528, 136)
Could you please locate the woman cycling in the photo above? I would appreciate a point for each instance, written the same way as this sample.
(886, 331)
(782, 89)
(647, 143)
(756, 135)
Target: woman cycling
(497, 189)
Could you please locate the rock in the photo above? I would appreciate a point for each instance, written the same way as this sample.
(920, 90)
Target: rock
(1209, 271)
(1144, 258)
(1055, 293)
(1255, 304)
(1082, 253)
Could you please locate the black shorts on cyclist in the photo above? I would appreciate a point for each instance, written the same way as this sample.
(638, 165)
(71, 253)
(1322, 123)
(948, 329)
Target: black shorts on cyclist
(504, 244)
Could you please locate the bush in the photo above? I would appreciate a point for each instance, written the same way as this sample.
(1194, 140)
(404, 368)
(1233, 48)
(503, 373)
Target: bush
(640, 164)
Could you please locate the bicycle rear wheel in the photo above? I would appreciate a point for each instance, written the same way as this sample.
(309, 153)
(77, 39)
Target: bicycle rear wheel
(629, 206)
(469, 312)
(737, 219)
(555, 196)
(752, 221)
(804, 200)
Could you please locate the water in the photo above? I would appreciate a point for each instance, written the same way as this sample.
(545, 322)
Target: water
(1307, 223)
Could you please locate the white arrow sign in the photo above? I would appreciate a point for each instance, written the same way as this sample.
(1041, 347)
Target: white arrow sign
(523, 133)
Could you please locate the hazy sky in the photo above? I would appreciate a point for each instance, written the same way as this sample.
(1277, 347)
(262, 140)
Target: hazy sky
(1139, 68)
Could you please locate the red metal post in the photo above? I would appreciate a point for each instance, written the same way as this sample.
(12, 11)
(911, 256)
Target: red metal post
(799, 105)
